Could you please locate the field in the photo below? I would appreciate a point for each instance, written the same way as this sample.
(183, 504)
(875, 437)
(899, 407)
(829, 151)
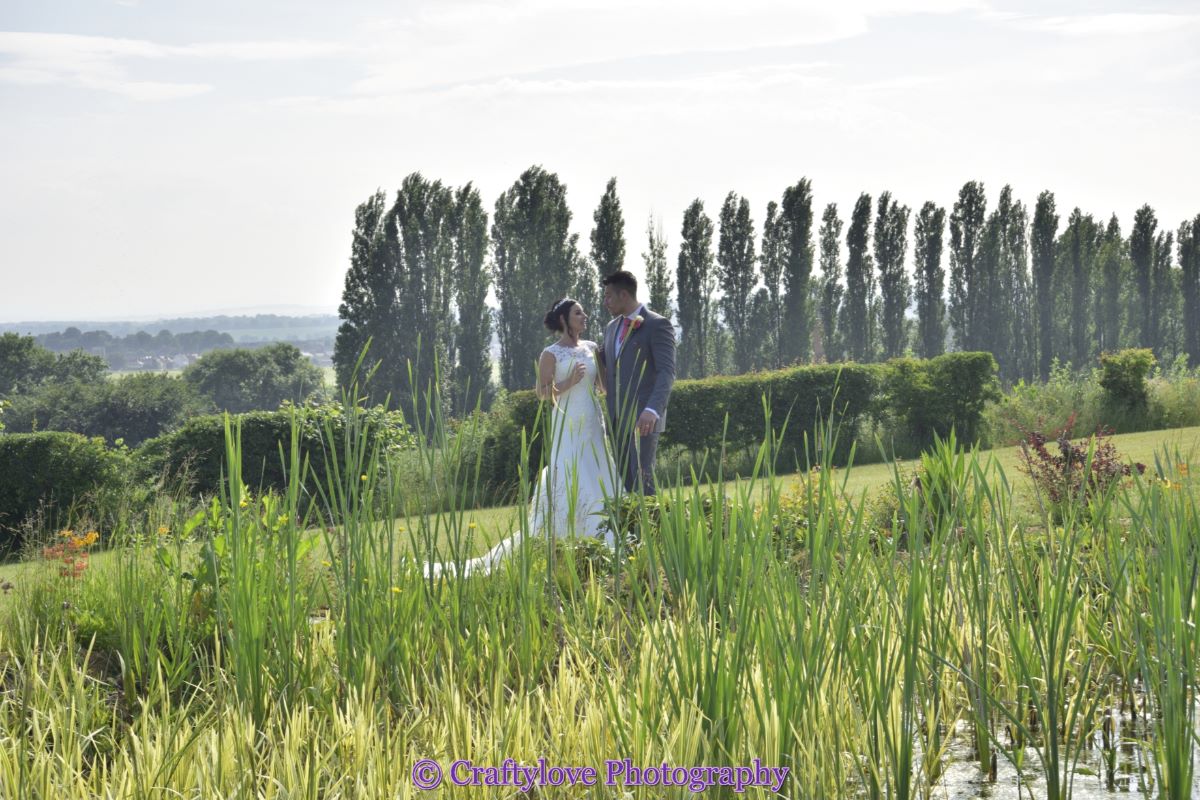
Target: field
(961, 638)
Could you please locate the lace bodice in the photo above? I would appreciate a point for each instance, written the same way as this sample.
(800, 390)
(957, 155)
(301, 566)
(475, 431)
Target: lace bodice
(565, 359)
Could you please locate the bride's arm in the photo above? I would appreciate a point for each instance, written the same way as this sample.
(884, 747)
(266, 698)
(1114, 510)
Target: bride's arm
(545, 385)
(600, 387)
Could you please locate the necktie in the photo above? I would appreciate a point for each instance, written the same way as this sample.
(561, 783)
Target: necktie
(624, 332)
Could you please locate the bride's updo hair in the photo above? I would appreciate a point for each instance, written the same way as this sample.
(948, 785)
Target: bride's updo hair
(556, 317)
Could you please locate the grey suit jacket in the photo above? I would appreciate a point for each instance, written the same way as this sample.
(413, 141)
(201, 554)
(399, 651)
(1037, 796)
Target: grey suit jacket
(641, 376)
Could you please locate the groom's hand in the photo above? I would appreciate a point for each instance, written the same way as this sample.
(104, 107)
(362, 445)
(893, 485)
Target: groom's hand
(645, 423)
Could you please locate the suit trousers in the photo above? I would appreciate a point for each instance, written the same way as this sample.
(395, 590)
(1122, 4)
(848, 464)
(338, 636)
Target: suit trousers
(637, 462)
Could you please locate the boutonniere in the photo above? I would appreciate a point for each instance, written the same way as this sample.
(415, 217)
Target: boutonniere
(637, 323)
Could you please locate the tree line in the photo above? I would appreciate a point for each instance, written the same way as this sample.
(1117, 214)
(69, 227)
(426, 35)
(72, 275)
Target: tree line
(1031, 289)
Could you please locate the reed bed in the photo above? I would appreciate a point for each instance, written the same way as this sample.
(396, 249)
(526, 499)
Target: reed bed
(955, 649)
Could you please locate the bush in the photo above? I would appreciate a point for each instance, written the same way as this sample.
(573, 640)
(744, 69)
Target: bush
(926, 399)
(133, 408)
(1081, 474)
(197, 449)
(245, 380)
(50, 472)
(1123, 379)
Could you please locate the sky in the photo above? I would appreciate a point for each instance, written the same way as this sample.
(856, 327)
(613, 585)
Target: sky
(163, 158)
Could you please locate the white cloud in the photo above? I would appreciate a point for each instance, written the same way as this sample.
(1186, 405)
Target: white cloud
(1131, 24)
(100, 62)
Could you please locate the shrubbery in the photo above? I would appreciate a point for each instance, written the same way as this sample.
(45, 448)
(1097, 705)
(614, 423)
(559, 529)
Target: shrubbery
(133, 408)
(197, 449)
(49, 472)
(918, 399)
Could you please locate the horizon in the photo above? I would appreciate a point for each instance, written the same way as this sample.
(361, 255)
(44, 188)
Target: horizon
(232, 144)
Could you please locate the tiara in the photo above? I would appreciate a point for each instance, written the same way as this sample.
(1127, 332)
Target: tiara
(560, 304)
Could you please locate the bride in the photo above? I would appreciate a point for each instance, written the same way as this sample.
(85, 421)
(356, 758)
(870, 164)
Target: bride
(580, 473)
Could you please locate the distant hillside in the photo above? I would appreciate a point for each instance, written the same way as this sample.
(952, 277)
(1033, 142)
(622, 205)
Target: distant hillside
(257, 328)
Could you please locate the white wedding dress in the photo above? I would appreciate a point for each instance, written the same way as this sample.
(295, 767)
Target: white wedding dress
(579, 476)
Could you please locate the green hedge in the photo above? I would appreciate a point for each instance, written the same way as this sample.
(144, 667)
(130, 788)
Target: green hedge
(920, 398)
(930, 397)
(198, 447)
(51, 470)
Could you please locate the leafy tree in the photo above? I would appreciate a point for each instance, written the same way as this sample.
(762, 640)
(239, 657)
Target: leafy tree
(796, 223)
(1002, 271)
(659, 283)
(424, 290)
(761, 336)
(891, 242)
(473, 362)
(1189, 264)
(773, 255)
(967, 295)
(608, 236)
(1043, 236)
(735, 257)
(370, 307)
(930, 280)
(242, 380)
(1110, 263)
(856, 319)
(1164, 296)
(24, 364)
(695, 278)
(1141, 257)
(133, 408)
(831, 287)
(536, 262)
(1078, 250)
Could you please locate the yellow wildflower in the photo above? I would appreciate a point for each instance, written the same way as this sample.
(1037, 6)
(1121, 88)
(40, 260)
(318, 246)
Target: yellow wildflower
(244, 503)
(163, 530)
(362, 477)
(395, 590)
(326, 563)
(472, 525)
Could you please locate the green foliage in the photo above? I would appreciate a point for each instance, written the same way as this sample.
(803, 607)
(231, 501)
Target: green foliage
(831, 286)
(536, 262)
(1123, 378)
(659, 283)
(24, 364)
(860, 285)
(49, 472)
(930, 281)
(133, 408)
(473, 337)
(931, 398)
(968, 281)
(796, 253)
(1042, 236)
(735, 257)
(695, 280)
(891, 242)
(197, 450)
(246, 380)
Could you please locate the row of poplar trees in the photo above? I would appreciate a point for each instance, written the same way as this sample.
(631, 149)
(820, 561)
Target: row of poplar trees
(1031, 291)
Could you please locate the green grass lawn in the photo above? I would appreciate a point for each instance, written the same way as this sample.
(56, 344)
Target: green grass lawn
(493, 524)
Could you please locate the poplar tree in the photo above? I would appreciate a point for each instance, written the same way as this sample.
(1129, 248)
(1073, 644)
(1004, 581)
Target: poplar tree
(694, 280)
(773, 255)
(473, 340)
(796, 222)
(1043, 236)
(891, 244)
(1141, 257)
(930, 280)
(1189, 275)
(735, 259)
(966, 283)
(536, 262)
(856, 306)
(1164, 296)
(831, 286)
(1110, 264)
(1077, 246)
(658, 277)
(369, 304)
(608, 234)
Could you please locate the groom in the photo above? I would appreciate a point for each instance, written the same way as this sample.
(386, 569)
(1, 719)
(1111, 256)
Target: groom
(639, 369)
